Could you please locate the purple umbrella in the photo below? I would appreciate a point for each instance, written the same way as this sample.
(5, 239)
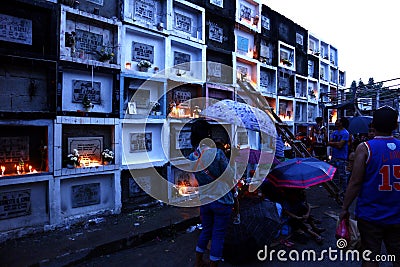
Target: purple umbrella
(301, 173)
(360, 124)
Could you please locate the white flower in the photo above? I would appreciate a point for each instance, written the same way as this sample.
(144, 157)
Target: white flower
(144, 63)
(108, 154)
(73, 157)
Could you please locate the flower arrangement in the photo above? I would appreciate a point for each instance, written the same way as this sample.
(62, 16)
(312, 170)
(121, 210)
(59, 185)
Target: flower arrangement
(73, 158)
(107, 155)
(86, 102)
(144, 64)
(156, 107)
(104, 55)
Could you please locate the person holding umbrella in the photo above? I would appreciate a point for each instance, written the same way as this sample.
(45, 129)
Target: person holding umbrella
(375, 180)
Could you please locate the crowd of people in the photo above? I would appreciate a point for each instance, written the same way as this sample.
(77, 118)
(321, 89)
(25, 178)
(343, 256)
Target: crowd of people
(367, 168)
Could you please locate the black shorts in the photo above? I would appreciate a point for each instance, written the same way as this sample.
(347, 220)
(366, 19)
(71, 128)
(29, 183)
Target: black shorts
(373, 234)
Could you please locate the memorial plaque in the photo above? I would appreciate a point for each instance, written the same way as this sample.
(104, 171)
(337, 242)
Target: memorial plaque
(15, 203)
(13, 148)
(85, 195)
(264, 79)
(183, 139)
(141, 51)
(90, 148)
(142, 98)
(135, 188)
(219, 3)
(183, 23)
(215, 32)
(88, 41)
(182, 96)
(81, 88)
(15, 30)
(182, 61)
(214, 69)
(243, 70)
(299, 39)
(146, 10)
(242, 138)
(284, 30)
(98, 2)
(242, 44)
(282, 108)
(140, 142)
(245, 12)
(265, 22)
(264, 51)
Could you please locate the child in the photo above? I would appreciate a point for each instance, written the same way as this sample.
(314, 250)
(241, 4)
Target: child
(296, 208)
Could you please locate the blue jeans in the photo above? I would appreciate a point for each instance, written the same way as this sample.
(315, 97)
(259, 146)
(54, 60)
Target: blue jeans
(340, 178)
(215, 217)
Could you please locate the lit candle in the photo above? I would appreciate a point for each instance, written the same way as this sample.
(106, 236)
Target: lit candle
(3, 169)
(18, 169)
(30, 168)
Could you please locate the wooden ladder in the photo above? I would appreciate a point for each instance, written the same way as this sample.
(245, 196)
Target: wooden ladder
(283, 129)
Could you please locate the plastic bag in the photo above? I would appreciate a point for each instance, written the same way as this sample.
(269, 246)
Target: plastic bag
(343, 230)
(347, 229)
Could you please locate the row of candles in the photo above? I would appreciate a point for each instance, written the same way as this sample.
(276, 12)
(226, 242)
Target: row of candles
(20, 169)
(179, 111)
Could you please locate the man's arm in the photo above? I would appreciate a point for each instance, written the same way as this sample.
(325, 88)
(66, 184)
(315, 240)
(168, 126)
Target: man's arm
(356, 178)
(338, 145)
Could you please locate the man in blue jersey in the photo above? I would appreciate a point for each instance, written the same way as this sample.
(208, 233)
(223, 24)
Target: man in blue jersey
(376, 181)
(340, 149)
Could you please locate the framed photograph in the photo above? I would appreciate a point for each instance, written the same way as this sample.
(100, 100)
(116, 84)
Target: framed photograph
(183, 139)
(132, 108)
(140, 142)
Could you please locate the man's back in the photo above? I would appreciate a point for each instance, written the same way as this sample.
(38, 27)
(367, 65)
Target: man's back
(381, 184)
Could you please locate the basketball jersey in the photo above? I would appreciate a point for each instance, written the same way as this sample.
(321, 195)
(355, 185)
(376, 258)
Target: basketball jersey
(379, 197)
